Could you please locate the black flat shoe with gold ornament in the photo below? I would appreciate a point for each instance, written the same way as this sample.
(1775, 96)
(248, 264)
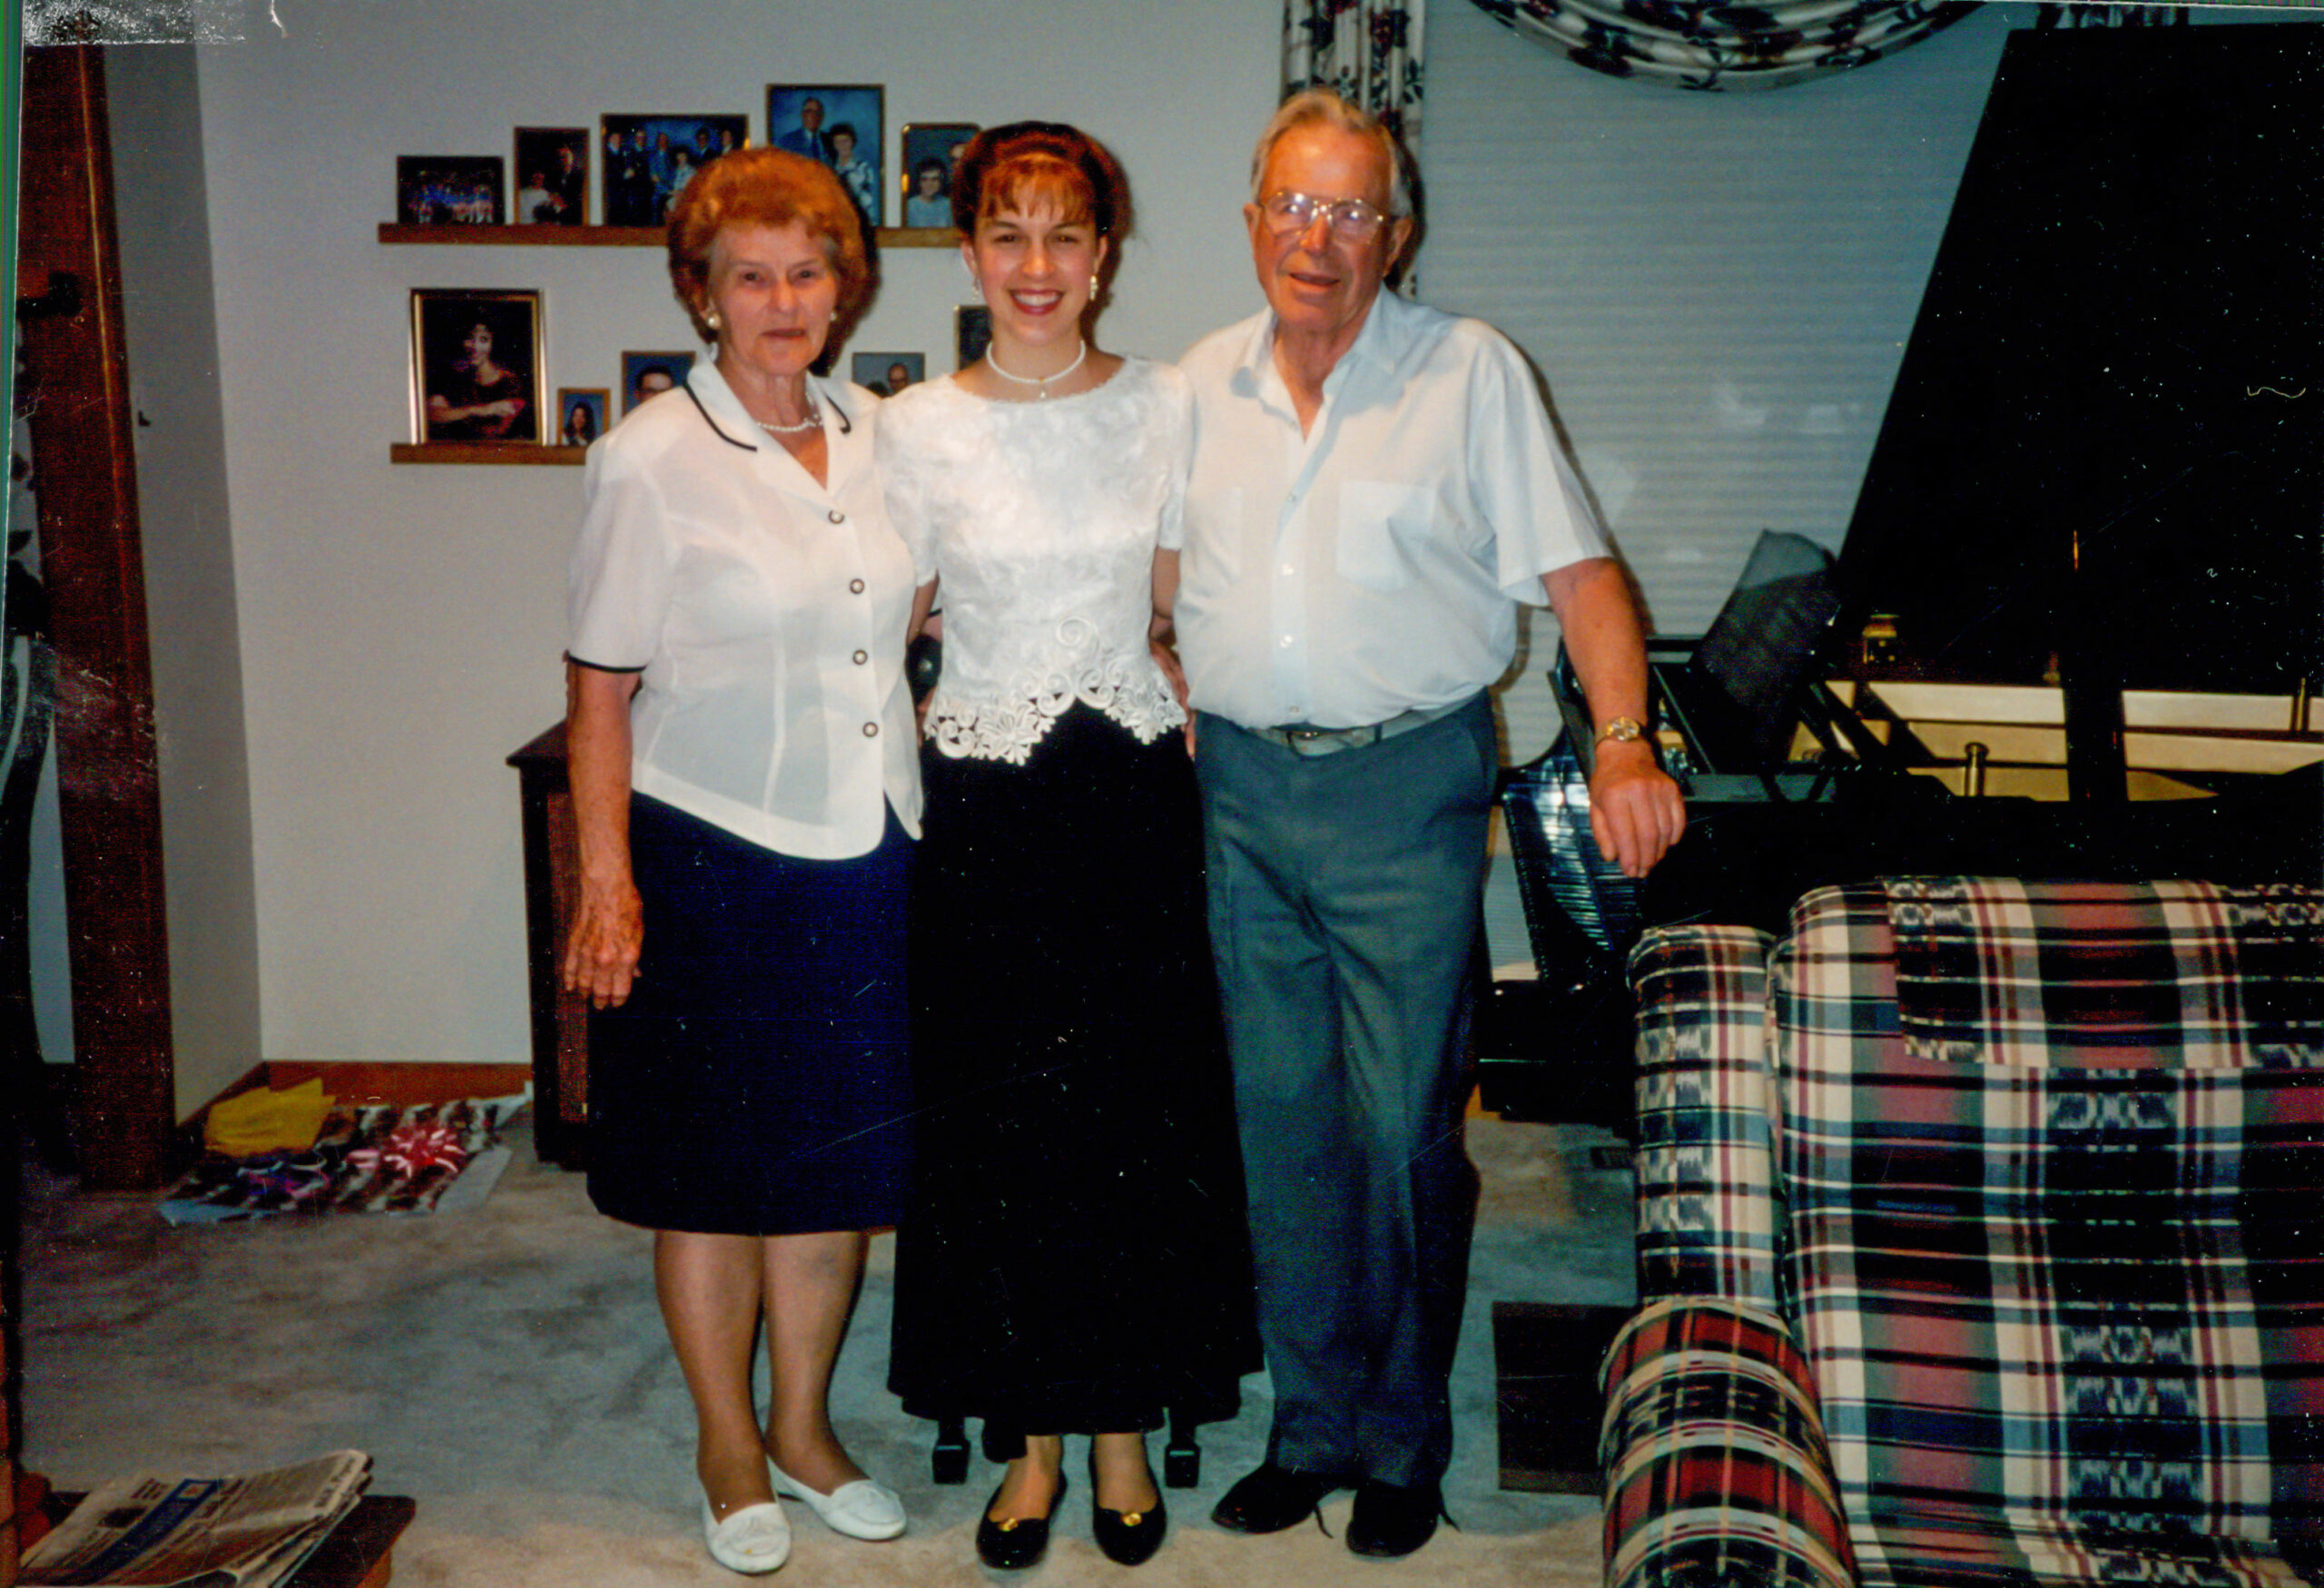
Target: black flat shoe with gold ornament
(1129, 1538)
(1019, 1541)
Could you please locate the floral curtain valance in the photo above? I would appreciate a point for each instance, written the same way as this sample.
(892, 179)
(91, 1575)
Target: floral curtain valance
(1368, 52)
(1699, 44)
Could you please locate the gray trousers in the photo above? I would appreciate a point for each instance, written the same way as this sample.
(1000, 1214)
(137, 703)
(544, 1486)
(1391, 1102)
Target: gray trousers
(1344, 893)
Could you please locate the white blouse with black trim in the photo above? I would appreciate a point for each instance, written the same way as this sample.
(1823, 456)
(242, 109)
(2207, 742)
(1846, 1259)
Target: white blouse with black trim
(764, 612)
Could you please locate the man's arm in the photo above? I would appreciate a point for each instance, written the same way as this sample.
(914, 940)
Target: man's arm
(1635, 810)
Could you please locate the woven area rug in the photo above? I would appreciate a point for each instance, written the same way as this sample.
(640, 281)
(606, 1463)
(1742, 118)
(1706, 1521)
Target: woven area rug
(421, 1157)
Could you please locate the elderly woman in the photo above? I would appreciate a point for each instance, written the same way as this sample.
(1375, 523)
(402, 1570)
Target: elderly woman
(741, 736)
(1073, 1260)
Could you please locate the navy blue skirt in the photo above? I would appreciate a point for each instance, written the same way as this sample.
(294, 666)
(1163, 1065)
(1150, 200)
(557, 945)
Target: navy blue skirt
(756, 1082)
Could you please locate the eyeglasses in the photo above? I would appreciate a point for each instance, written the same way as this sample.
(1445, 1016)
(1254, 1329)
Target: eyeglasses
(1288, 213)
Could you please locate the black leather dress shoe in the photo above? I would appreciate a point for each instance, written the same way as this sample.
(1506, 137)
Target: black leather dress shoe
(1019, 1541)
(1271, 1499)
(1391, 1520)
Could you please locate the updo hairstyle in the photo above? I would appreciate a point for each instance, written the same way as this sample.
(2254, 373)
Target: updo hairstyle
(1026, 163)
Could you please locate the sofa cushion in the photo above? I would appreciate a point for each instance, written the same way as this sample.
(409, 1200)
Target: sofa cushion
(2076, 1300)
(2176, 974)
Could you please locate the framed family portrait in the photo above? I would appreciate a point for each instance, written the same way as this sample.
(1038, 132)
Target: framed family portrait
(450, 190)
(887, 373)
(971, 333)
(844, 126)
(648, 159)
(476, 365)
(551, 171)
(649, 375)
(581, 414)
(928, 150)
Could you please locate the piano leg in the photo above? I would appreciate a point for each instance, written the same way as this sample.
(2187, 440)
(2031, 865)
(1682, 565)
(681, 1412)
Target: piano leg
(1181, 1458)
(948, 1462)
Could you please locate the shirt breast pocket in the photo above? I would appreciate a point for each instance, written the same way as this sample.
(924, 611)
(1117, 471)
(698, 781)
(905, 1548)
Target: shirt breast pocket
(1382, 528)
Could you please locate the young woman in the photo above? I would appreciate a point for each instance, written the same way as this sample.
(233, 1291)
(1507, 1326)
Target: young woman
(1073, 1258)
(479, 399)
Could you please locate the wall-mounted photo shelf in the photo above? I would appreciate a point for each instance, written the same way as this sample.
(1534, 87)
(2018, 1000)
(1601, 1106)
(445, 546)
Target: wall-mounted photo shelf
(502, 454)
(498, 452)
(392, 232)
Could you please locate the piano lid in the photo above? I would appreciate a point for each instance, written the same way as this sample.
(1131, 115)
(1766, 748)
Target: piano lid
(2101, 456)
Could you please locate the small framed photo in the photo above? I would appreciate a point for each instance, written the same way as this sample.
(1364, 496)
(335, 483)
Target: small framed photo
(645, 376)
(450, 190)
(551, 171)
(929, 148)
(845, 126)
(647, 159)
(887, 373)
(971, 333)
(476, 365)
(581, 414)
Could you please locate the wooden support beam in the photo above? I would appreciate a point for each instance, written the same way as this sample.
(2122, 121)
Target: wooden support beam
(108, 777)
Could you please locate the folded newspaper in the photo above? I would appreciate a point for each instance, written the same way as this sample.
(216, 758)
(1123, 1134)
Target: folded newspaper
(247, 1530)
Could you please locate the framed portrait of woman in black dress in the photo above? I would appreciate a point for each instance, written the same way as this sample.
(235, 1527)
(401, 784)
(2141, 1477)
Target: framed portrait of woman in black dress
(476, 365)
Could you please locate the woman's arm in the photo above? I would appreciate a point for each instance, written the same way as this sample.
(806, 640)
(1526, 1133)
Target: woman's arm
(608, 921)
(1162, 634)
(440, 411)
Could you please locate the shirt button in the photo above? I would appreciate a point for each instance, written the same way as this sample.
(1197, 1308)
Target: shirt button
(861, 657)
(1284, 642)
(837, 516)
(871, 730)
(855, 586)
(1288, 570)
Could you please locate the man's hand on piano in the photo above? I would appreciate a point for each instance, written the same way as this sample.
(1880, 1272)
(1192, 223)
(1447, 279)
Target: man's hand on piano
(1635, 810)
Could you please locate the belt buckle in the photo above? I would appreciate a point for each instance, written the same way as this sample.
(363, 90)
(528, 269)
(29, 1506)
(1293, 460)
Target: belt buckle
(1314, 742)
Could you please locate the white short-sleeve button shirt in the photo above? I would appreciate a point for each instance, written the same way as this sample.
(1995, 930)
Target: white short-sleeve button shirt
(764, 613)
(1371, 566)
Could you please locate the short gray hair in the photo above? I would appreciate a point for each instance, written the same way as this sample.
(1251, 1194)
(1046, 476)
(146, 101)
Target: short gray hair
(1314, 106)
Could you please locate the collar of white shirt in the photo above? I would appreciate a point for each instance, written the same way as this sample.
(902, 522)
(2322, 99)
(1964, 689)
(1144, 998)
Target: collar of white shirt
(847, 442)
(1391, 327)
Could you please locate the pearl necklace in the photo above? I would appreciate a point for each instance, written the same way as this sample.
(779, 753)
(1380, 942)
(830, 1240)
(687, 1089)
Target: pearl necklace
(814, 417)
(1040, 380)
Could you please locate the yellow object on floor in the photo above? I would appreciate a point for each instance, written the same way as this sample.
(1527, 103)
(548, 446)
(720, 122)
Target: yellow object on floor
(266, 1120)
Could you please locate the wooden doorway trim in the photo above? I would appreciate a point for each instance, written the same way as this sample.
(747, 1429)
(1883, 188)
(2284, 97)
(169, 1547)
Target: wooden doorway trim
(91, 561)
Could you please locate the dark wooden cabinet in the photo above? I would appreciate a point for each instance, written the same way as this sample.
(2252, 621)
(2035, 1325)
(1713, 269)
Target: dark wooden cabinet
(560, 1019)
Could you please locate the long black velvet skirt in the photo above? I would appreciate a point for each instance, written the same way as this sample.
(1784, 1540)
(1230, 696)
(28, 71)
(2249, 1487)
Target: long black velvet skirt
(756, 1082)
(1074, 1258)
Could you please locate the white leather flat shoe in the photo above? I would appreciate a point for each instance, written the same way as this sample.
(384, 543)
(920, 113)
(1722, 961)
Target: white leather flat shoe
(753, 1539)
(862, 1509)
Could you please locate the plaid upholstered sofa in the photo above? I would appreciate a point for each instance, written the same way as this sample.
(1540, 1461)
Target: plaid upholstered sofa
(1980, 1241)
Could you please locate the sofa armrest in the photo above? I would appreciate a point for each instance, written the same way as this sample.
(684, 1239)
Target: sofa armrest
(1717, 1472)
(1707, 1215)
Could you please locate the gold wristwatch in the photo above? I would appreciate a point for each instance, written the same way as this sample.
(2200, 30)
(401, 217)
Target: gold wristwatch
(1623, 730)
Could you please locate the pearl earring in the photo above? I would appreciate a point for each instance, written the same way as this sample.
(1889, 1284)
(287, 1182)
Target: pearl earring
(710, 319)
(1094, 288)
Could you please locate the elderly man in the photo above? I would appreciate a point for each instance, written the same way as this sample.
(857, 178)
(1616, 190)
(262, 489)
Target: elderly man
(808, 138)
(1375, 487)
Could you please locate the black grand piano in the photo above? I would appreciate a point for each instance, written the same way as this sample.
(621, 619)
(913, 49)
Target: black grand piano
(2079, 611)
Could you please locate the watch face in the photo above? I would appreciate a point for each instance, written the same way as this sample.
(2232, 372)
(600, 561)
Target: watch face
(1623, 730)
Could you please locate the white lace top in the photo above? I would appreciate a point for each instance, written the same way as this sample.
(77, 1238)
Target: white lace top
(1040, 519)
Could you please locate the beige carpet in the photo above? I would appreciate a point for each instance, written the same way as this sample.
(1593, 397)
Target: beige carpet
(506, 1366)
